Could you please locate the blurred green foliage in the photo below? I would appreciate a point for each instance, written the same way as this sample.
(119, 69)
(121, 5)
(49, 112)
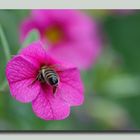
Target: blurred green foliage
(112, 91)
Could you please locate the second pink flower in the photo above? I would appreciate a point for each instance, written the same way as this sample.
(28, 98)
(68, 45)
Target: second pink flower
(71, 35)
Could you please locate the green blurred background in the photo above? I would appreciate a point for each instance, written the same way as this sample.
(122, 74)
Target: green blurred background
(112, 96)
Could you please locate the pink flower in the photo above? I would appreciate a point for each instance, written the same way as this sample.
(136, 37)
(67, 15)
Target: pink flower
(71, 35)
(22, 72)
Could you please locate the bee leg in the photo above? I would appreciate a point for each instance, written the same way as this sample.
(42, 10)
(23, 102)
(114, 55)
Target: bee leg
(35, 79)
(54, 90)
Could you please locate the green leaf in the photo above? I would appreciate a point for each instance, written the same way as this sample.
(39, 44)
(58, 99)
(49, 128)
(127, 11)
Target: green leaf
(32, 36)
(122, 85)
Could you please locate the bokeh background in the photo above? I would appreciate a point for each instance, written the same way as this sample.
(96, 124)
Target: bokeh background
(112, 95)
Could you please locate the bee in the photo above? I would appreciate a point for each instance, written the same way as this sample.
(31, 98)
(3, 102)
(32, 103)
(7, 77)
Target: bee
(49, 76)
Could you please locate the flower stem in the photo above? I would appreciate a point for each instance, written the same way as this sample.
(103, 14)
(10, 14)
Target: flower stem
(4, 44)
(6, 52)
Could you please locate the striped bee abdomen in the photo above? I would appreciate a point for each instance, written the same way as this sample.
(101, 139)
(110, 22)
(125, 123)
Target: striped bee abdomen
(49, 76)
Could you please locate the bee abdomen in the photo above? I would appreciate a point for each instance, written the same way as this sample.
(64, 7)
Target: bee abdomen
(49, 73)
(51, 77)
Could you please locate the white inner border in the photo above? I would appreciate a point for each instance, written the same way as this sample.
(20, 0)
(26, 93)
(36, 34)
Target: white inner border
(69, 137)
(74, 4)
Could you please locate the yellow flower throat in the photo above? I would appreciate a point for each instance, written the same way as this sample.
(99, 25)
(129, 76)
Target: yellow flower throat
(54, 34)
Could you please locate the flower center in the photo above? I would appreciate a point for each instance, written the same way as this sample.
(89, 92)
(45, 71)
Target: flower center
(54, 34)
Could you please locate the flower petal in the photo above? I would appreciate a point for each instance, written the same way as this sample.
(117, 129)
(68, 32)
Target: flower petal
(35, 52)
(82, 55)
(49, 107)
(45, 17)
(24, 91)
(20, 73)
(20, 68)
(81, 27)
(71, 88)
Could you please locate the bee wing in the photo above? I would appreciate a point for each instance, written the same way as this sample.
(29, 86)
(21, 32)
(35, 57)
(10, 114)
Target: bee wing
(57, 66)
(54, 66)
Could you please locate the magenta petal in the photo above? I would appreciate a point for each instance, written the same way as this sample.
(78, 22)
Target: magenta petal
(82, 27)
(24, 91)
(20, 68)
(35, 51)
(45, 17)
(42, 17)
(20, 73)
(81, 55)
(71, 88)
(49, 107)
